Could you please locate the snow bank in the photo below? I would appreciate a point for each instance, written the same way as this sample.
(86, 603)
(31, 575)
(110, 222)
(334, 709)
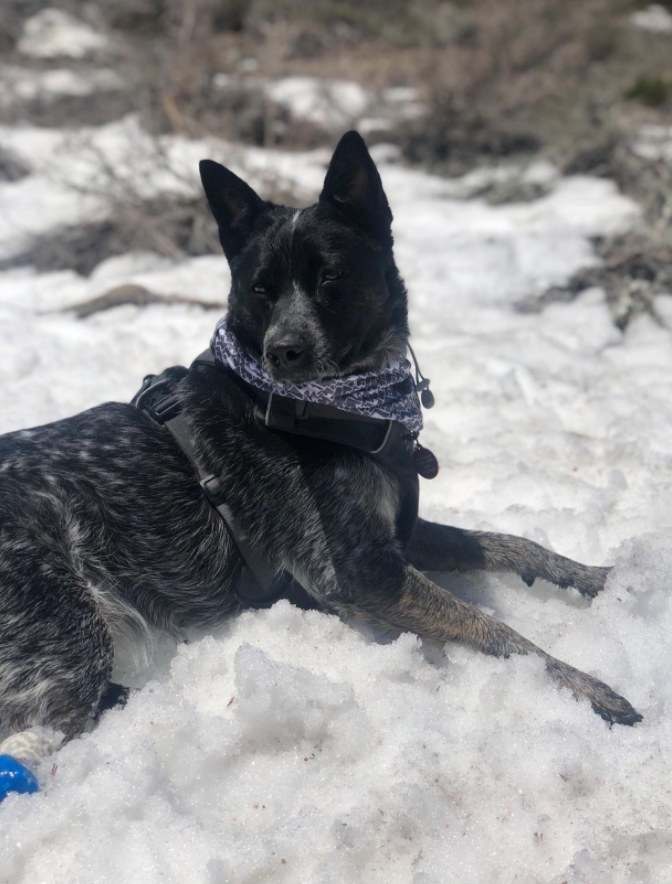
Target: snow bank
(289, 746)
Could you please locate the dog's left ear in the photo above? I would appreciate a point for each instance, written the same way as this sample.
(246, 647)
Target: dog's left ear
(233, 203)
(353, 185)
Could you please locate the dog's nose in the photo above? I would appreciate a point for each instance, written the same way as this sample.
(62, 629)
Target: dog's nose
(286, 354)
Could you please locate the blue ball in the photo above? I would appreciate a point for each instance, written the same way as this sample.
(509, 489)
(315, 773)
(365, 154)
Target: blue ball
(14, 777)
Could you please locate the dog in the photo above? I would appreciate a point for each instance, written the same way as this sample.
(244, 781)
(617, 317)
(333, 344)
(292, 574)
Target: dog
(106, 526)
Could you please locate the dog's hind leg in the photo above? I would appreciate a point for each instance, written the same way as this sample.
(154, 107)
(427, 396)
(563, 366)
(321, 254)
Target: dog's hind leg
(422, 607)
(31, 746)
(435, 547)
(55, 653)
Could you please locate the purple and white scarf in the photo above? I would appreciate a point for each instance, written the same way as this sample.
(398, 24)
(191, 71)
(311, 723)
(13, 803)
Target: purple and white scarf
(388, 393)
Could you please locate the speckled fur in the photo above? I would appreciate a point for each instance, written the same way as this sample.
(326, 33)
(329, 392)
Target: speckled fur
(105, 533)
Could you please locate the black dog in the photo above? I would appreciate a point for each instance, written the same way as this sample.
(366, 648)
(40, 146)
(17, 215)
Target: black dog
(105, 528)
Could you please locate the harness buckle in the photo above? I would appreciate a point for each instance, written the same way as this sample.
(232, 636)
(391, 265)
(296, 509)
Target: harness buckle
(165, 408)
(138, 400)
(156, 397)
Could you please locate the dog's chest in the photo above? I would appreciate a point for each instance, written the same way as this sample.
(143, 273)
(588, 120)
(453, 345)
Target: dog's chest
(368, 489)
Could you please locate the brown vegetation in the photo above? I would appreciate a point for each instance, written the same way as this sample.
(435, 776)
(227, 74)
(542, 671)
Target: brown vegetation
(500, 80)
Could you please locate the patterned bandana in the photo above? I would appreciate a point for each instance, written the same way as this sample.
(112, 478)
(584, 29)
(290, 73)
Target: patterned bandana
(386, 394)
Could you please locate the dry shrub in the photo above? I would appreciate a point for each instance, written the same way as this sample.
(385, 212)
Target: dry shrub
(174, 51)
(635, 268)
(633, 271)
(502, 86)
(167, 225)
(175, 222)
(12, 17)
(73, 111)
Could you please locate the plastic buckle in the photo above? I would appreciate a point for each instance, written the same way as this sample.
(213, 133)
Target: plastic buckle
(144, 387)
(165, 408)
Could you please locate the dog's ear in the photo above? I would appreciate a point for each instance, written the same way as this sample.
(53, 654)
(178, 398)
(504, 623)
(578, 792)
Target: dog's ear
(233, 203)
(353, 185)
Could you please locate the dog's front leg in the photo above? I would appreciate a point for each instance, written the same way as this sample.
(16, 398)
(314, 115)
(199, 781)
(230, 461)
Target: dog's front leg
(436, 547)
(424, 608)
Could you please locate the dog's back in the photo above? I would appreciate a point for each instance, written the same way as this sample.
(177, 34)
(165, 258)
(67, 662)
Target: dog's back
(103, 530)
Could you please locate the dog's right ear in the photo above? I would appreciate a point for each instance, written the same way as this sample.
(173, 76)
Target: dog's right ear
(353, 186)
(233, 203)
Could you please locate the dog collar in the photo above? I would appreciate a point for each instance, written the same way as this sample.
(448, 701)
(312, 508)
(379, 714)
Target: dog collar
(387, 394)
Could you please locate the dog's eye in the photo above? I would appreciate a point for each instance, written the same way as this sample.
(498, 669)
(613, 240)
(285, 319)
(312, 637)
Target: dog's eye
(331, 275)
(259, 289)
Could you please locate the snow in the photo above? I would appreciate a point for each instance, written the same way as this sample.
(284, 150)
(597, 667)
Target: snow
(290, 746)
(54, 33)
(333, 103)
(654, 18)
(654, 143)
(24, 83)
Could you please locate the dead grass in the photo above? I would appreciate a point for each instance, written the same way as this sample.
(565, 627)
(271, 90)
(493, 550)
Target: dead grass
(168, 225)
(515, 78)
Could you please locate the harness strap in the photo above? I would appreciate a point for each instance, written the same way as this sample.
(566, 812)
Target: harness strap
(319, 420)
(260, 586)
(388, 441)
(266, 586)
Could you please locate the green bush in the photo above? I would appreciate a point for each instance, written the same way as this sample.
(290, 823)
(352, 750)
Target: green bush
(650, 91)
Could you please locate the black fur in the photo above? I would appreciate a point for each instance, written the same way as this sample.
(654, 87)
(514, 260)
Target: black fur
(104, 530)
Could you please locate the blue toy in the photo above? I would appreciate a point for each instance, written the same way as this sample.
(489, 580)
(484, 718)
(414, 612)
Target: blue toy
(14, 777)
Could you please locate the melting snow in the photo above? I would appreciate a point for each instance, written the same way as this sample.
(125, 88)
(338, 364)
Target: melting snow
(289, 746)
(654, 18)
(54, 33)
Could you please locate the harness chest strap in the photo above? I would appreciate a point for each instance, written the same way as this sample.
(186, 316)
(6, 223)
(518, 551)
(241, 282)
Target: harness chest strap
(388, 441)
(156, 399)
(267, 585)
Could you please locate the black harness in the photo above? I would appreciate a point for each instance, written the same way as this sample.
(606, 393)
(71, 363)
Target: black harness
(258, 584)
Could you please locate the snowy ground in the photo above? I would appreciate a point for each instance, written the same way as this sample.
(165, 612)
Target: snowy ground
(292, 747)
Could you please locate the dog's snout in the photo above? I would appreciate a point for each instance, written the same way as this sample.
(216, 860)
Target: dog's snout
(287, 353)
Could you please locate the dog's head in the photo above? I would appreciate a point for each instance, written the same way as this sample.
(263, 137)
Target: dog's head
(315, 292)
